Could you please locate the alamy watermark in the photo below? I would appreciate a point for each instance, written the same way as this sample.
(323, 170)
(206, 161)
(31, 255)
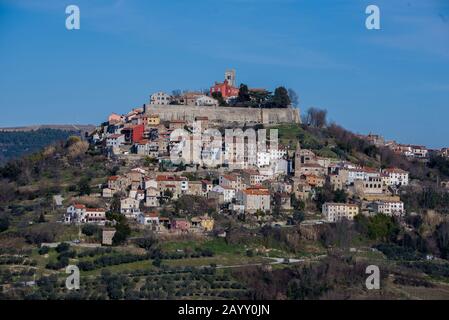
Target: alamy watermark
(72, 22)
(72, 282)
(373, 280)
(372, 22)
(206, 148)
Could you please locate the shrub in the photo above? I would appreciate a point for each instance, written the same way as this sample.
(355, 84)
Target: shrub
(90, 229)
(4, 223)
(61, 263)
(395, 252)
(62, 247)
(157, 262)
(43, 250)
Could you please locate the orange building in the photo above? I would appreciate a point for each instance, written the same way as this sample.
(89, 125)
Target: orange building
(225, 88)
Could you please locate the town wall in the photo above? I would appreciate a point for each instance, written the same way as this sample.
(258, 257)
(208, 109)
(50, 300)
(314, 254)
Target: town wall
(225, 114)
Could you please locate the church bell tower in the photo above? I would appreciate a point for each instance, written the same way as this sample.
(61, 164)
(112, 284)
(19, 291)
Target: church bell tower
(230, 77)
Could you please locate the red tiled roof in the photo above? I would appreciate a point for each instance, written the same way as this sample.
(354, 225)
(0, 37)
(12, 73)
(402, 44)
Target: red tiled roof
(170, 178)
(229, 177)
(151, 214)
(394, 170)
(95, 210)
(115, 136)
(257, 192)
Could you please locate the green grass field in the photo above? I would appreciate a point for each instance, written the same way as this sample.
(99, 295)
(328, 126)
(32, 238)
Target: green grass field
(218, 246)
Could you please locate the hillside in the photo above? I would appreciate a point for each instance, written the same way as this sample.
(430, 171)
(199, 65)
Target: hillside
(328, 260)
(16, 142)
(336, 142)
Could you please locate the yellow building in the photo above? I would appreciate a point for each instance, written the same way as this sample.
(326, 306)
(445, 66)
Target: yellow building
(207, 223)
(153, 120)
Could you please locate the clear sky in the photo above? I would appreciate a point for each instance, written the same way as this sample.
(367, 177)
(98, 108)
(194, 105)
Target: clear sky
(393, 81)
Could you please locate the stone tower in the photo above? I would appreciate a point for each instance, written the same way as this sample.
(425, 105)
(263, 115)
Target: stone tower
(230, 77)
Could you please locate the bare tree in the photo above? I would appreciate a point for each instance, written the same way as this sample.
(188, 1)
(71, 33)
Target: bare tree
(316, 117)
(293, 97)
(176, 93)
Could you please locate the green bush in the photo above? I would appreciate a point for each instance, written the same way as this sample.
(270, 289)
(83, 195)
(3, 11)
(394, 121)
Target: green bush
(43, 250)
(395, 252)
(62, 247)
(90, 229)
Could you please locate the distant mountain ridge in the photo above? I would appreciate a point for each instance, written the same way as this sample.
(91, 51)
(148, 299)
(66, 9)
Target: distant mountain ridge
(63, 127)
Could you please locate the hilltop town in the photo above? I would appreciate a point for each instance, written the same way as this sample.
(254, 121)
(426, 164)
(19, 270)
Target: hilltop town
(216, 190)
(279, 179)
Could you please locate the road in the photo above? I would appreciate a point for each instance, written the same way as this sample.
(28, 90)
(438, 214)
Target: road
(276, 261)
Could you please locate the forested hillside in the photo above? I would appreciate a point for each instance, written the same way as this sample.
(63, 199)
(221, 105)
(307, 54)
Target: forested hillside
(14, 144)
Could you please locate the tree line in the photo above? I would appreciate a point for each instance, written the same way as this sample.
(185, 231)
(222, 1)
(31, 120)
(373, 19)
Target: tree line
(260, 98)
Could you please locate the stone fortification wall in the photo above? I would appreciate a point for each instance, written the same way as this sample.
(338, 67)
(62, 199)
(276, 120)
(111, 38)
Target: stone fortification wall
(225, 114)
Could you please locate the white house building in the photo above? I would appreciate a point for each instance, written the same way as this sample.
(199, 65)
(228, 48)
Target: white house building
(149, 219)
(228, 192)
(94, 215)
(115, 140)
(254, 199)
(152, 197)
(129, 207)
(160, 98)
(79, 213)
(391, 208)
(206, 101)
(334, 212)
(397, 177)
(74, 213)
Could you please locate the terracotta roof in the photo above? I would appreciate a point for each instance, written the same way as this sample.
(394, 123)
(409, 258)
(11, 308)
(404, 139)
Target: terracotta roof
(229, 177)
(313, 176)
(251, 172)
(394, 170)
(151, 214)
(341, 204)
(368, 169)
(170, 178)
(115, 136)
(256, 192)
(95, 210)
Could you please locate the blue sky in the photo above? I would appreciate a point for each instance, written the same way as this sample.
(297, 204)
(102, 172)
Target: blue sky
(393, 81)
